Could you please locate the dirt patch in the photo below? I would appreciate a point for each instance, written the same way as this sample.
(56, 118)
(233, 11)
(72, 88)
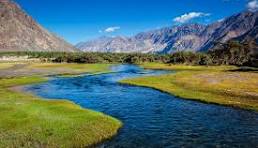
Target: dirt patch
(19, 70)
(217, 78)
(17, 59)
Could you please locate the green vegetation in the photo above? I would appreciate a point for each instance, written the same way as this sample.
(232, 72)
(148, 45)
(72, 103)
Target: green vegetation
(74, 68)
(230, 53)
(210, 84)
(46, 69)
(6, 65)
(183, 67)
(82, 57)
(28, 121)
(235, 53)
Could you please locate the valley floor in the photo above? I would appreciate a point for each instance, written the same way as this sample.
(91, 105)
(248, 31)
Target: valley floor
(29, 121)
(224, 85)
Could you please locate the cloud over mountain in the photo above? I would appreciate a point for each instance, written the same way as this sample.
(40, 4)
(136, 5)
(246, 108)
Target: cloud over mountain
(252, 5)
(189, 16)
(112, 29)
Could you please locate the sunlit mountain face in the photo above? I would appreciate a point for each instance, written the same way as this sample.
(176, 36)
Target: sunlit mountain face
(20, 32)
(186, 37)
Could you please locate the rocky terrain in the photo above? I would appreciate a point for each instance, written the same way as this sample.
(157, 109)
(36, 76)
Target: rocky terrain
(19, 32)
(193, 37)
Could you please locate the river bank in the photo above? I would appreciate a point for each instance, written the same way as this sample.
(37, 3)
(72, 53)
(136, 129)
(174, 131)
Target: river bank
(223, 85)
(30, 121)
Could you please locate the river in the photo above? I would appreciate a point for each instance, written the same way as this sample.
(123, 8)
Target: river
(152, 118)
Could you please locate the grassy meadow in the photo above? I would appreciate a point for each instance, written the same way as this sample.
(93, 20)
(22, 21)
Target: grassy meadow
(5, 65)
(14, 69)
(29, 121)
(224, 85)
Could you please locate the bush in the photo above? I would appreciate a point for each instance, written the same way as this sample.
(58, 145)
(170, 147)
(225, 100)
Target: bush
(235, 53)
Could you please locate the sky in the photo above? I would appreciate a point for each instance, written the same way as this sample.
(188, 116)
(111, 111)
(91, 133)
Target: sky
(83, 20)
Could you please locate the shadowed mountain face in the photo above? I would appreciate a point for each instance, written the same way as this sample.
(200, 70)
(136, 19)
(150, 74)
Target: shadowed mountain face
(251, 35)
(19, 32)
(192, 37)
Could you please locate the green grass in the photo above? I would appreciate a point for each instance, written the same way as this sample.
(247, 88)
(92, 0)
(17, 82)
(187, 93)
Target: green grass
(29, 121)
(182, 67)
(88, 67)
(215, 84)
(5, 65)
(24, 68)
(75, 68)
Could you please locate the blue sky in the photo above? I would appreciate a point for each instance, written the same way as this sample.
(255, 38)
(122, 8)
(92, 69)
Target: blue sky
(81, 20)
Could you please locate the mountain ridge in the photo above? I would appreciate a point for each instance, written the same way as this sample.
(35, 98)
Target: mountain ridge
(186, 37)
(20, 32)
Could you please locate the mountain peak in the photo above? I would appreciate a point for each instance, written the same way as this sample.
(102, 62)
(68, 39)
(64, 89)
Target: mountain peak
(20, 32)
(7, 1)
(194, 37)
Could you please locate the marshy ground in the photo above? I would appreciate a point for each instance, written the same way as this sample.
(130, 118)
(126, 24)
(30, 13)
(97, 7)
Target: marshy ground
(225, 85)
(29, 121)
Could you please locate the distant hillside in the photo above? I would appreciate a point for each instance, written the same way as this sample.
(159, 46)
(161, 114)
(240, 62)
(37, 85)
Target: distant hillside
(251, 35)
(19, 32)
(232, 27)
(192, 37)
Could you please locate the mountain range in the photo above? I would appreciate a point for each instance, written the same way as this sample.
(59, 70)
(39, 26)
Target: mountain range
(190, 37)
(19, 32)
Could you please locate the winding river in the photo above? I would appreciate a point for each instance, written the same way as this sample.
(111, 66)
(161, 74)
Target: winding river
(152, 118)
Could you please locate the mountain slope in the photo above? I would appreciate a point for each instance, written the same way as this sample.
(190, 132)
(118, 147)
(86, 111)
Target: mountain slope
(119, 44)
(232, 27)
(19, 32)
(251, 35)
(192, 37)
(147, 42)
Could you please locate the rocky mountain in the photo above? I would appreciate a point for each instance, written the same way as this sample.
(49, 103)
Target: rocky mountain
(119, 44)
(232, 27)
(19, 32)
(193, 37)
(147, 42)
(251, 35)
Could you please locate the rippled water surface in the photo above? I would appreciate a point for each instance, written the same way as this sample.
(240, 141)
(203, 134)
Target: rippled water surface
(152, 118)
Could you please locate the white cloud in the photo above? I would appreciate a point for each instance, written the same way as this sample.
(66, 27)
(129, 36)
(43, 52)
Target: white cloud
(252, 5)
(189, 16)
(112, 29)
(221, 20)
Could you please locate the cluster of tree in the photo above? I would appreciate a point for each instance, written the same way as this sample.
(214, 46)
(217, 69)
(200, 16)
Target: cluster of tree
(235, 53)
(190, 58)
(230, 53)
(91, 57)
(133, 58)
